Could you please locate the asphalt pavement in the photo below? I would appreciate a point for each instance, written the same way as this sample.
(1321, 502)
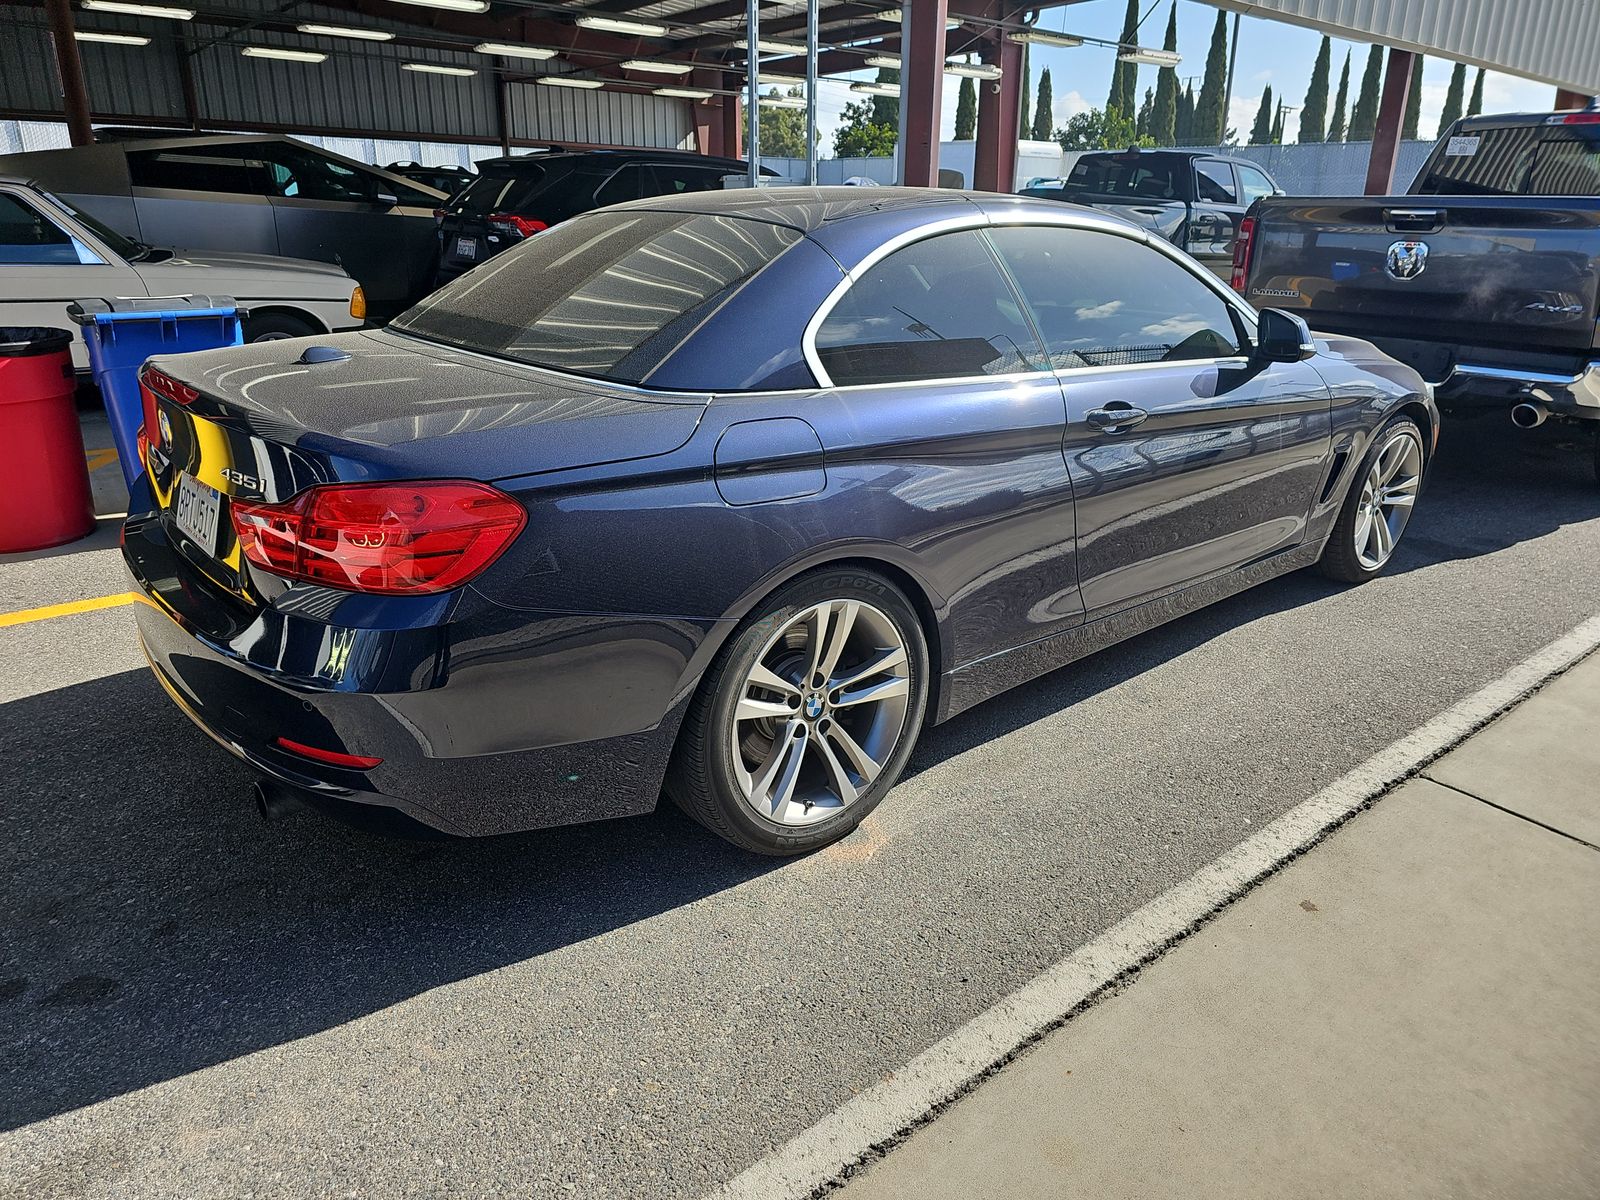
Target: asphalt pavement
(194, 1004)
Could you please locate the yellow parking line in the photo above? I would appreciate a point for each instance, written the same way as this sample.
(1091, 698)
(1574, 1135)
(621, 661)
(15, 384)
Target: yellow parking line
(26, 615)
(100, 458)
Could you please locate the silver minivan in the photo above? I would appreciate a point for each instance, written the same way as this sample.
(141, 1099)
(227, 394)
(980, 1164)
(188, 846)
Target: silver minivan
(263, 194)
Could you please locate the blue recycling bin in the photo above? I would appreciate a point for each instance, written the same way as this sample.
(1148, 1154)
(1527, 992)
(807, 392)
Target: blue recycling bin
(120, 334)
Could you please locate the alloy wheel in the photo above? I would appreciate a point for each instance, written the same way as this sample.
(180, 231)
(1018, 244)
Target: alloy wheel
(1387, 497)
(820, 712)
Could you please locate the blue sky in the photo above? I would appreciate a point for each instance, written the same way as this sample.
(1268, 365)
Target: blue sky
(1270, 52)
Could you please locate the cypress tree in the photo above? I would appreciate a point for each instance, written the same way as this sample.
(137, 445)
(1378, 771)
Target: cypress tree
(966, 111)
(1452, 98)
(1277, 128)
(1336, 124)
(1141, 126)
(1314, 115)
(1025, 123)
(1184, 124)
(1164, 116)
(1125, 76)
(1475, 105)
(1043, 120)
(1364, 117)
(886, 109)
(1261, 131)
(1413, 101)
(1209, 119)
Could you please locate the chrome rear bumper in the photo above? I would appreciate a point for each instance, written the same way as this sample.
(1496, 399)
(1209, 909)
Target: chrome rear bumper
(1564, 395)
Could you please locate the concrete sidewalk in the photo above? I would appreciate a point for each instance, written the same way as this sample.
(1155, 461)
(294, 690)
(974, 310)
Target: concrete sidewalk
(1410, 1010)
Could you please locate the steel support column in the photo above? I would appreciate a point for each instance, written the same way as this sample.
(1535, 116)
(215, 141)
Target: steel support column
(74, 95)
(994, 167)
(732, 127)
(1391, 116)
(707, 113)
(811, 91)
(922, 90)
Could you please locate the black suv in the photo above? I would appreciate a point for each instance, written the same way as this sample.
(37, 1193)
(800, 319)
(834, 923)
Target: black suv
(448, 180)
(514, 198)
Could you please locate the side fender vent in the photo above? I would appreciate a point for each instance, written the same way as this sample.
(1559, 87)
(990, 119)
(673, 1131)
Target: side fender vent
(1339, 459)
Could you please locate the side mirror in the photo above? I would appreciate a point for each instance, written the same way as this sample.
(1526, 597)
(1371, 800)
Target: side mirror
(386, 199)
(1283, 337)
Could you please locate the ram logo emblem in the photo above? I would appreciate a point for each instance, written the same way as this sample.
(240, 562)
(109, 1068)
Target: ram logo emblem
(1406, 260)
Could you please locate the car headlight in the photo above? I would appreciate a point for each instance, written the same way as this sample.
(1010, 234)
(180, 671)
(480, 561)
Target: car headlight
(358, 304)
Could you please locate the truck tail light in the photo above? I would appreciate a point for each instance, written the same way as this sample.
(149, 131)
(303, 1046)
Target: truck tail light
(1243, 248)
(511, 223)
(391, 539)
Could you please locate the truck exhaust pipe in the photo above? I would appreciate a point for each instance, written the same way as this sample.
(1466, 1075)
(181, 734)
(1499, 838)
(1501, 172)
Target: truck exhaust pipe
(1528, 415)
(273, 799)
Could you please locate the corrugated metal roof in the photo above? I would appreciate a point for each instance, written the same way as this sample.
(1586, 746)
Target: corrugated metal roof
(1557, 41)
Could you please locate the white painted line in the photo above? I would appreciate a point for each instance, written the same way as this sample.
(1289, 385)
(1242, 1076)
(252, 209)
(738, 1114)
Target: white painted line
(845, 1136)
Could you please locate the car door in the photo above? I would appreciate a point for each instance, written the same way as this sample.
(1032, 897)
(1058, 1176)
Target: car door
(1188, 457)
(208, 196)
(941, 427)
(1214, 219)
(45, 265)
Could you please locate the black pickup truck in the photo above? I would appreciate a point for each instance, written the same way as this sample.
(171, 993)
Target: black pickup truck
(1485, 278)
(1194, 199)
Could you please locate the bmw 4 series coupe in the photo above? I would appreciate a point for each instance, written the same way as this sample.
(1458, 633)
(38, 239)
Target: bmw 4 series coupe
(729, 495)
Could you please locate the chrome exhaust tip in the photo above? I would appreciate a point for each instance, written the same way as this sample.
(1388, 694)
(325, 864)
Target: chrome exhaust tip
(1528, 415)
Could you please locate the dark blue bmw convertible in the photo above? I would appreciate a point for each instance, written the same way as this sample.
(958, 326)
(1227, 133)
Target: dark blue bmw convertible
(730, 494)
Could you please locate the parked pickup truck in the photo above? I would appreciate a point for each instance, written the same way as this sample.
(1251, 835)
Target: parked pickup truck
(1193, 199)
(1485, 278)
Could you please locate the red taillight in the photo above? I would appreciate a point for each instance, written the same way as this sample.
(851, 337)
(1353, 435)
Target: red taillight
(150, 431)
(512, 223)
(334, 758)
(1243, 246)
(1588, 117)
(393, 539)
(168, 386)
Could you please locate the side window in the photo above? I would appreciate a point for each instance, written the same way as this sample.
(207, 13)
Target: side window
(1254, 184)
(224, 169)
(631, 182)
(938, 309)
(27, 237)
(1103, 300)
(674, 178)
(1213, 181)
(298, 174)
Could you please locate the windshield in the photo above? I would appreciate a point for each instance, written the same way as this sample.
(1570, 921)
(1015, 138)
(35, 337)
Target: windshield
(1533, 160)
(1124, 175)
(501, 193)
(121, 246)
(612, 294)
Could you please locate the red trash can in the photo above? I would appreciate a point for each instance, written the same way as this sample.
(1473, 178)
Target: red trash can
(44, 488)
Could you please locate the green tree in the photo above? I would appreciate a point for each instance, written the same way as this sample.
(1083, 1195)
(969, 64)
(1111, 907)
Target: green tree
(1364, 117)
(859, 136)
(1336, 122)
(1164, 116)
(1475, 105)
(1044, 109)
(1452, 98)
(1261, 131)
(1209, 119)
(1141, 123)
(1025, 123)
(1125, 76)
(1408, 128)
(1314, 114)
(1184, 124)
(783, 130)
(886, 109)
(1277, 127)
(1097, 129)
(966, 111)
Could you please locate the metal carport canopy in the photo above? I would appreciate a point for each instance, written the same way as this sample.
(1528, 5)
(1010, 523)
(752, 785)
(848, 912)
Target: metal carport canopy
(1555, 41)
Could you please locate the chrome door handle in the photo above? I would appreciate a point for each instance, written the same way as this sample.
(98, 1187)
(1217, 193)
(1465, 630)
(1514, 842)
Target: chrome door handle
(1114, 418)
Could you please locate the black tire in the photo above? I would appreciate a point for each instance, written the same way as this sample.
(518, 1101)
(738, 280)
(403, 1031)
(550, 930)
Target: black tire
(1339, 559)
(701, 779)
(273, 326)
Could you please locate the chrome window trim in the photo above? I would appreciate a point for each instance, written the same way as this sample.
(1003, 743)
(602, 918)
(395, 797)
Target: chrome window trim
(987, 220)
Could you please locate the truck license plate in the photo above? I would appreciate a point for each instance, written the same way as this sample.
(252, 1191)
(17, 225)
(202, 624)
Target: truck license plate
(466, 247)
(196, 510)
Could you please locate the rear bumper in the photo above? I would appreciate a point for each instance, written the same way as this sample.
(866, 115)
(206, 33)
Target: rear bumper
(1576, 396)
(212, 668)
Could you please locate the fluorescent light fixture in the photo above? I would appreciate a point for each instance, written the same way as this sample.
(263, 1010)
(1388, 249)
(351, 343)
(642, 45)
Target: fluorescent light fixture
(783, 101)
(764, 46)
(973, 70)
(1043, 37)
(510, 50)
(140, 10)
(472, 6)
(1151, 58)
(884, 60)
(767, 77)
(347, 31)
(569, 81)
(305, 56)
(684, 93)
(655, 68)
(876, 89)
(112, 39)
(436, 69)
(897, 17)
(617, 25)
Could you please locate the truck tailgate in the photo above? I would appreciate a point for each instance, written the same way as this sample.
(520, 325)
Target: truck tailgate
(1503, 271)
